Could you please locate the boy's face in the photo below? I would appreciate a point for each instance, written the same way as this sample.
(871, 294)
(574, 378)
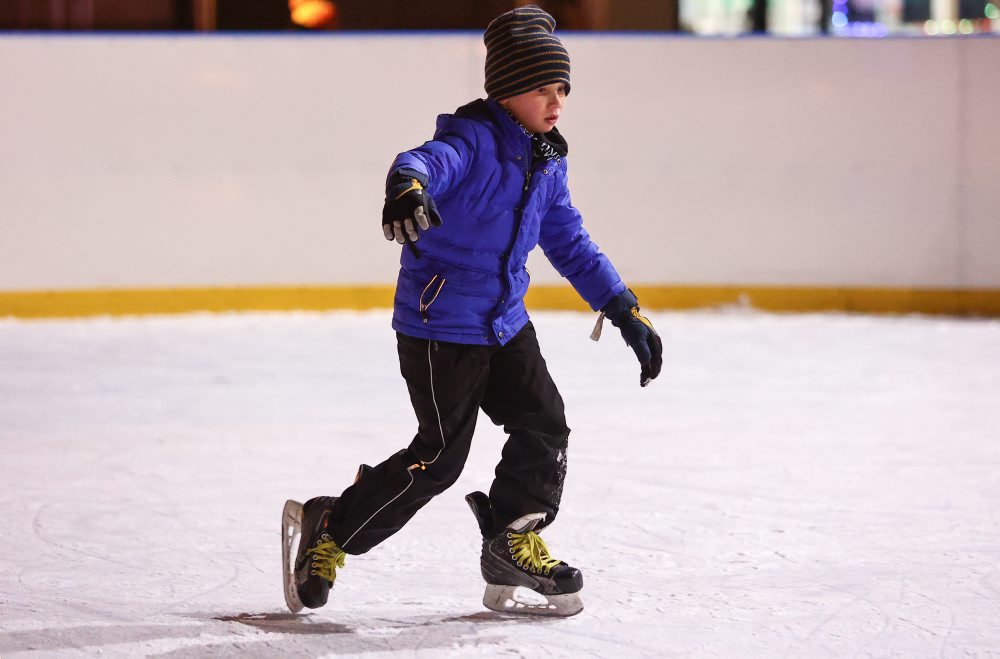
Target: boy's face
(539, 109)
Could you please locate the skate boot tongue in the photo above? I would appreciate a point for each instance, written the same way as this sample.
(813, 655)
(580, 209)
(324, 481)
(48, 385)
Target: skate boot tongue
(527, 523)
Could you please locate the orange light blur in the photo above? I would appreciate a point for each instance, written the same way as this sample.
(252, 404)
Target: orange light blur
(314, 14)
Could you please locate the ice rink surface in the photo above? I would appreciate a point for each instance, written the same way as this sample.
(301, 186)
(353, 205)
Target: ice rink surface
(814, 485)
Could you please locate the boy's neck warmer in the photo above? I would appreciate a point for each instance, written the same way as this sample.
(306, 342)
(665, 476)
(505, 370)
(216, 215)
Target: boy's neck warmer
(549, 146)
(545, 146)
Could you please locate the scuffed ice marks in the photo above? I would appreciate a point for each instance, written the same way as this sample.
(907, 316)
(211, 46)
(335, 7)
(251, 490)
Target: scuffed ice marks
(273, 634)
(789, 486)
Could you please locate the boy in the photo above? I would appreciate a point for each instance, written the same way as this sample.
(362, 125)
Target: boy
(483, 193)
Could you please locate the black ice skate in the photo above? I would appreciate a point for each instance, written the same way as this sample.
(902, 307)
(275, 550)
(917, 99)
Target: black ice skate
(516, 560)
(317, 556)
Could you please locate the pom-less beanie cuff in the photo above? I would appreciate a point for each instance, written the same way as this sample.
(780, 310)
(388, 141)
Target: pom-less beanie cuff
(522, 53)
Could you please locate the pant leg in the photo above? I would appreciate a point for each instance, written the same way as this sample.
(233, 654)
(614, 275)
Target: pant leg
(446, 382)
(522, 397)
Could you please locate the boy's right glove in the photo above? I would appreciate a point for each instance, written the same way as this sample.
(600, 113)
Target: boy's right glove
(408, 209)
(637, 331)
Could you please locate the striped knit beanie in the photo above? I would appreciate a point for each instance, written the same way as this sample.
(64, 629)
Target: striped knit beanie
(522, 53)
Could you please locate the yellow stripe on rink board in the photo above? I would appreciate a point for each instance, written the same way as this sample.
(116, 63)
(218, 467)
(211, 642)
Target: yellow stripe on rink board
(953, 302)
(127, 302)
(120, 302)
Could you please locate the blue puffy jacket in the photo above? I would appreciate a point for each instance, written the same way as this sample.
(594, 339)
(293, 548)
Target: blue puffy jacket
(469, 283)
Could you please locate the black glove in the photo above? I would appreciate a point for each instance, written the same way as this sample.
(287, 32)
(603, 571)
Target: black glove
(638, 333)
(408, 209)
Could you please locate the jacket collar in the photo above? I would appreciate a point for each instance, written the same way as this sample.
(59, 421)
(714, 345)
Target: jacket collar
(513, 134)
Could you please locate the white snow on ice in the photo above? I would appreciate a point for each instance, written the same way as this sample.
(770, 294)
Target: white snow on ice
(791, 485)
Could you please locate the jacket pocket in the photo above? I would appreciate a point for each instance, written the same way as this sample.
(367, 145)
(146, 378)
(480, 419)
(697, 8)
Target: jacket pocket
(430, 294)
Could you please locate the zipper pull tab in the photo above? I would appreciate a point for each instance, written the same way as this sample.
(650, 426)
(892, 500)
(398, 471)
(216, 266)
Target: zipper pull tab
(596, 334)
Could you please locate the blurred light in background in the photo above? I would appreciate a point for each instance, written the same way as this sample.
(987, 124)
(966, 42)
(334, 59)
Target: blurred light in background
(843, 18)
(314, 14)
(839, 13)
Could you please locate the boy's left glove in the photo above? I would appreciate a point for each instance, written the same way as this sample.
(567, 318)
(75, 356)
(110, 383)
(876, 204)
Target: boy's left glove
(408, 208)
(637, 331)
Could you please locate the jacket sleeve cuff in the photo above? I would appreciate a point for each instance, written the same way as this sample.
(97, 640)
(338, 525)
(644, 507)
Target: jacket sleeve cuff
(621, 305)
(403, 175)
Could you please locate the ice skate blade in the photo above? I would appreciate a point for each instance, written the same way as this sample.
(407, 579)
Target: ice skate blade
(291, 532)
(516, 599)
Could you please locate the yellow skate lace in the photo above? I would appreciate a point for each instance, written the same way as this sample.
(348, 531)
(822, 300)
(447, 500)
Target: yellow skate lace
(530, 551)
(327, 557)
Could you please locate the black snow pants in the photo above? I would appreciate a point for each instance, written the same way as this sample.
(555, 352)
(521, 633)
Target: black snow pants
(448, 384)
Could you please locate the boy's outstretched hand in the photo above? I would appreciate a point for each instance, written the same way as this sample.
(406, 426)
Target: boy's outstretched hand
(638, 333)
(408, 210)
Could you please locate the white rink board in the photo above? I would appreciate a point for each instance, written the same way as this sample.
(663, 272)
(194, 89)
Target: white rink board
(763, 497)
(169, 161)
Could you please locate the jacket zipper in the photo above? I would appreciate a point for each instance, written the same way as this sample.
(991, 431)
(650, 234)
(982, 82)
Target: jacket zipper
(520, 217)
(424, 306)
